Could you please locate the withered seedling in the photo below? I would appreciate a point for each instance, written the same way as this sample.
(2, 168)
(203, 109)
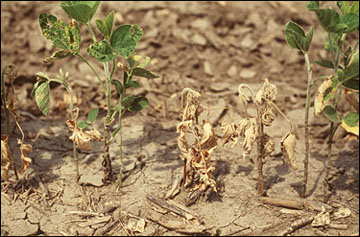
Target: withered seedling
(196, 155)
(250, 130)
(9, 102)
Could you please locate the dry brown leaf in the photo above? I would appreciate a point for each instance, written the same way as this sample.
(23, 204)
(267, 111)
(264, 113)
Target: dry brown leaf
(82, 139)
(249, 136)
(6, 158)
(319, 102)
(208, 141)
(269, 145)
(136, 225)
(288, 149)
(25, 160)
(182, 142)
(192, 104)
(267, 114)
(321, 219)
(267, 91)
(230, 133)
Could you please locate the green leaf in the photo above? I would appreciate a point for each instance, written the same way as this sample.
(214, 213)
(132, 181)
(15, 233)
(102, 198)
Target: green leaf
(351, 84)
(331, 114)
(353, 70)
(141, 72)
(145, 62)
(351, 21)
(124, 39)
(101, 51)
(127, 101)
(92, 115)
(81, 11)
(328, 18)
(42, 75)
(105, 27)
(64, 36)
(324, 63)
(335, 39)
(344, 6)
(355, 8)
(295, 36)
(351, 119)
(313, 5)
(131, 62)
(82, 124)
(132, 83)
(138, 104)
(42, 97)
(118, 86)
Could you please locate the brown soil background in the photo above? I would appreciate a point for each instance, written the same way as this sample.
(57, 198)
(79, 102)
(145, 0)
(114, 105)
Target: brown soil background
(208, 46)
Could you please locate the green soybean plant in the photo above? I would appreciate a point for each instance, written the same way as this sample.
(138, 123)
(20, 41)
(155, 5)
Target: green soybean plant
(344, 82)
(115, 45)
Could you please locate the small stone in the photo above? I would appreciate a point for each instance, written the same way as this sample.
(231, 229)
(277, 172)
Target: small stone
(248, 43)
(293, 99)
(219, 86)
(232, 72)
(91, 179)
(247, 73)
(198, 39)
(207, 68)
(201, 23)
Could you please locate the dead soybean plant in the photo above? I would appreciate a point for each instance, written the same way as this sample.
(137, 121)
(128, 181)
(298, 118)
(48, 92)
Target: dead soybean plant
(251, 130)
(196, 156)
(9, 102)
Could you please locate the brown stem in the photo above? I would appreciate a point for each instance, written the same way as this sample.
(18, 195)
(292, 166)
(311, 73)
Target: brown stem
(261, 152)
(106, 156)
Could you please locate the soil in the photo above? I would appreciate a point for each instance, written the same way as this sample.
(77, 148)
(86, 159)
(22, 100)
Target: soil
(211, 47)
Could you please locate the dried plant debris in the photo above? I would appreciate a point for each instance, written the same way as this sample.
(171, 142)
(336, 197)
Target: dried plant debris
(197, 155)
(82, 138)
(288, 149)
(6, 158)
(25, 160)
(322, 95)
(264, 98)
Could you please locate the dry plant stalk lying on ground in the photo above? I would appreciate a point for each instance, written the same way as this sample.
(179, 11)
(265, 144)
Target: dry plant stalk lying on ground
(196, 156)
(251, 130)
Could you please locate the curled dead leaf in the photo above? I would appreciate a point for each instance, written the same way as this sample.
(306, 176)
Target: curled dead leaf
(192, 105)
(288, 149)
(230, 133)
(182, 142)
(249, 136)
(6, 158)
(82, 139)
(25, 160)
(208, 141)
(267, 114)
(267, 91)
(319, 101)
(269, 145)
(321, 219)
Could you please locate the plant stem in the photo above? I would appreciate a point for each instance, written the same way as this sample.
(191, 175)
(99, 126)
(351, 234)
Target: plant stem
(106, 155)
(91, 32)
(3, 98)
(74, 145)
(120, 145)
(92, 69)
(307, 108)
(260, 157)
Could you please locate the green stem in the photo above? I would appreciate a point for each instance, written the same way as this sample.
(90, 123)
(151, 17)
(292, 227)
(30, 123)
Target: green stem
(307, 108)
(92, 68)
(74, 145)
(91, 32)
(108, 91)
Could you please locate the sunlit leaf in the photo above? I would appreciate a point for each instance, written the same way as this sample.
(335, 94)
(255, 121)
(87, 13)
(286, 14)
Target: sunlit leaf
(102, 51)
(64, 36)
(105, 27)
(350, 123)
(124, 39)
(42, 97)
(81, 11)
